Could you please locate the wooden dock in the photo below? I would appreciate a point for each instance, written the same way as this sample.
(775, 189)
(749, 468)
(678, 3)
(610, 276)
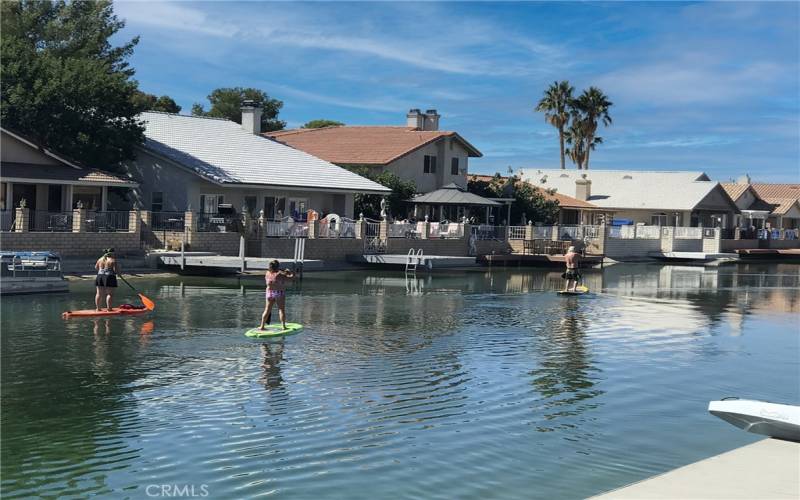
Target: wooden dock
(766, 469)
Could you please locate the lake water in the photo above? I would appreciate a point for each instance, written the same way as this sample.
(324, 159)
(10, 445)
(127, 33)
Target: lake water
(455, 385)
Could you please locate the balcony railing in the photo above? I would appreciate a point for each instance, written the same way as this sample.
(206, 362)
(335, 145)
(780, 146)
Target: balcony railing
(516, 232)
(168, 221)
(42, 221)
(217, 223)
(341, 228)
(286, 228)
(486, 232)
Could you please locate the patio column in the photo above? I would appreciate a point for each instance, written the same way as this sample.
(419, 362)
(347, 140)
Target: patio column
(103, 198)
(69, 192)
(134, 225)
(79, 220)
(9, 196)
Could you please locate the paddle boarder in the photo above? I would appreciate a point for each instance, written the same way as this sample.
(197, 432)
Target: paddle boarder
(276, 292)
(106, 281)
(572, 259)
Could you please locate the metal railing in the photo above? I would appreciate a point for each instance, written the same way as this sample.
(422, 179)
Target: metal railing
(217, 223)
(7, 219)
(106, 222)
(403, 230)
(337, 228)
(486, 232)
(42, 221)
(167, 221)
(286, 228)
(542, 232)
(372, 229)
(516, 232)
(688, 233)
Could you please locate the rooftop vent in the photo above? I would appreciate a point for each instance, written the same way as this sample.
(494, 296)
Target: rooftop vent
(626, 176)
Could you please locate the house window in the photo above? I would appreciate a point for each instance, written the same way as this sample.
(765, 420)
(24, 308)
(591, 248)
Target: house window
(298, 208)
(658, 219)
(429, 165)
(209, 203)
(157, 203)
(454, 166)
(250, 204)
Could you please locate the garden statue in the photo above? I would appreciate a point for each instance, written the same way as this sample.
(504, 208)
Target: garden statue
(383, 208)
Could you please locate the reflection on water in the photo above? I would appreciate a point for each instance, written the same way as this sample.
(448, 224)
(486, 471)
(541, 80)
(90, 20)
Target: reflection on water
(453, 384)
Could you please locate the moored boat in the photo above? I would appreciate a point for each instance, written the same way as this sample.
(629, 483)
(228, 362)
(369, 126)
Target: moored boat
(31, 272)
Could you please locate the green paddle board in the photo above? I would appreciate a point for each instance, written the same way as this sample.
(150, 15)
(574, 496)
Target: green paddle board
(274, 331)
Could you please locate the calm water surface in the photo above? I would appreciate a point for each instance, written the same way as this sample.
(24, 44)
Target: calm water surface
(455, 385)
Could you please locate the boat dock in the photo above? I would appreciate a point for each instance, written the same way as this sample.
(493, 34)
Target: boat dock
(540, 260)
(424, 261)
(766, 469)
(694, 256)
(783, 254)
(196, 261)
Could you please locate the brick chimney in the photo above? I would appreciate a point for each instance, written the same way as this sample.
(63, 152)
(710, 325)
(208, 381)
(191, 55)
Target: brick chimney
(583, 188)
(415, 119)
(251, 117)
(431, 120)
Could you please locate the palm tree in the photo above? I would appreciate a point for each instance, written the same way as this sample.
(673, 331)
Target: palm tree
(577, 137)
(555, 105)
(593, 106)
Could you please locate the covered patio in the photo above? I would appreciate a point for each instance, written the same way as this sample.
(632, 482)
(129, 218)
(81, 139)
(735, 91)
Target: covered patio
(452, 203)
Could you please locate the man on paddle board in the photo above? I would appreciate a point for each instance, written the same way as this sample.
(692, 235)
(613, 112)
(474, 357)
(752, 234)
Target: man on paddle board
(572, 259)
(106, 281)
(276, 292)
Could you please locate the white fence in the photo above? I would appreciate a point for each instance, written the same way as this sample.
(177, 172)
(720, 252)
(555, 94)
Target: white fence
(635, 232)
(648, 232)
(341, 228)
(688, 233)
(286, 229)
(516, 232)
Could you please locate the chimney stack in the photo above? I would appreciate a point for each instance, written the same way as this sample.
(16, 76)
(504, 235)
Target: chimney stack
(415, 119)
(251, 117)
(583, 188)
(431, 120)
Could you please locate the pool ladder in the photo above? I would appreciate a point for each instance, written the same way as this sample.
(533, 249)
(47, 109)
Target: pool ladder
(413, 259)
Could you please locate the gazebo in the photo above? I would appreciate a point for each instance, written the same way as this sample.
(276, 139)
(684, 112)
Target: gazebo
(452, 202)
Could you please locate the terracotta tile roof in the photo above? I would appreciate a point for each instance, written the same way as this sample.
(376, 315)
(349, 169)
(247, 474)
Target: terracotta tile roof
(778, 191)
(362, 145)
(562, 199)
(782, 205)
(734, 190)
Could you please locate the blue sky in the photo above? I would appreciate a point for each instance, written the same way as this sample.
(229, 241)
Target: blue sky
(695, 86)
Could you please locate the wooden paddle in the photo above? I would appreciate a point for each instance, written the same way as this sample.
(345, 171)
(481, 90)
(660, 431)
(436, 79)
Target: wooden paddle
(149, 304)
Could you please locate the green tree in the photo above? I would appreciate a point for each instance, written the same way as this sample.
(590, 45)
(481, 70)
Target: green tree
(592, 106)
(529, 200)
(227, 103)
(397, 200)
(64, 84)
(322, 123)
(556, 105)
(150, 102)
(578, 139)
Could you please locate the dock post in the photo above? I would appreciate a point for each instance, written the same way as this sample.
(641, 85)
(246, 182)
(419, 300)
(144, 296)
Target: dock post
(183, 254)
(243, 265)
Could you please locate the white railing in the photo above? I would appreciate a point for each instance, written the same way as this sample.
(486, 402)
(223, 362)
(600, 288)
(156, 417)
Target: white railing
(688, 233)
(516, 232)
(286, 228)
(451, 230)
(337, 228)
(591, 231)
(648, 232)
(570, 233)
(486, 232)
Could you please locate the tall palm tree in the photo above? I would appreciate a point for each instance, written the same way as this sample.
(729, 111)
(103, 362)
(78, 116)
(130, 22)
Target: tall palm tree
(593, 105)
(577, 137)
(555, 104)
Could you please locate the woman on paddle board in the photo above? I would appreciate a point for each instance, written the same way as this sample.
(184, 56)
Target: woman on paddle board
(106, 280)
(276, 292)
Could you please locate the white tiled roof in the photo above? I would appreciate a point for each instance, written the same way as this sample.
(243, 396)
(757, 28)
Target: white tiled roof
(629, 189)
(222, 151)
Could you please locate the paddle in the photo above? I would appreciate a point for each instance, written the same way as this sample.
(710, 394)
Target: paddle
(149, 304)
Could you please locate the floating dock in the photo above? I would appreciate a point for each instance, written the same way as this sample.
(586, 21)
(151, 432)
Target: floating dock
(424, 261)
(766, 469)
(785, 254)
(694, 256)
(196, 261)
(518, 259)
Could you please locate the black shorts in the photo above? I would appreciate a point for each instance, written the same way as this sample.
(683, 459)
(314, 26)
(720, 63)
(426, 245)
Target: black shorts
(106, 280)
(571, 274)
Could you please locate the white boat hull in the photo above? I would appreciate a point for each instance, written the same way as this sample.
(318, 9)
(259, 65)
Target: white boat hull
(768, 419)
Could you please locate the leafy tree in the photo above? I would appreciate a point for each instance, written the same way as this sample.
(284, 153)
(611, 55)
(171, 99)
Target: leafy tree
(529, 200)
(370, 204)
(150, 102)
(64, 84)
(555, 104)
(592, 107)
(322, 123)
(227, 103)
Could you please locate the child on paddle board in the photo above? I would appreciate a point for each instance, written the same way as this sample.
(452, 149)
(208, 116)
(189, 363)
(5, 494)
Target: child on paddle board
(106, 280)
(276, 293)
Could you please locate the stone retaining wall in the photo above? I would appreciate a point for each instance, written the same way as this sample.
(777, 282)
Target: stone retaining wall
(72, 244)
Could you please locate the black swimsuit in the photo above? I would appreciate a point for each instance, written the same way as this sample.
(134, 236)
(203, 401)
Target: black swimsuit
(106, 277)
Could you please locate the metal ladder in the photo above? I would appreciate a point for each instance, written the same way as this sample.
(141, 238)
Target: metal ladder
(299, 255)
(413, 259)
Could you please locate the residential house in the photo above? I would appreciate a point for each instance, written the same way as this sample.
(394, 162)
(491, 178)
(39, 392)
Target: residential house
(760, 203)
(642, 197)
(52, 184)
(198, 163)
(417, 152)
